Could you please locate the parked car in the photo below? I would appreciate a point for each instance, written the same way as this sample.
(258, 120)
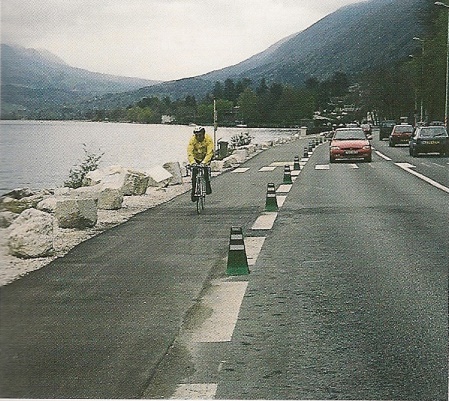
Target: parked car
(400, 134)
(432, 139)
(385, 128)
(349, 143)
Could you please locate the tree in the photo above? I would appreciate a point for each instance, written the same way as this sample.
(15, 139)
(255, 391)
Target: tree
(229, 92)
(249, 110)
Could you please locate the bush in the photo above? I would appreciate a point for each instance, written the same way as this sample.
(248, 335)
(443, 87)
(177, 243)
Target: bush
(77, 174)
(241, 139)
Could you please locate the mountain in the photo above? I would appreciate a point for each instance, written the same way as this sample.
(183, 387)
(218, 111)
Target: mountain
(36, 79)
(353, 39)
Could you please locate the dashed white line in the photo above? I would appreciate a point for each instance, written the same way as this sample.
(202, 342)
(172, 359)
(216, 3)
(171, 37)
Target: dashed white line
(241, 170)
(265, 221)
(280, 199)
(224, 300)
(253, 246)
(284, 188)
(195, 391)
(267, 168)
(408, 167)
(281, 164)
(382, 155)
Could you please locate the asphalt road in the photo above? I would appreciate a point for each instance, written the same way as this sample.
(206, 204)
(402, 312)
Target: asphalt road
(347, 298)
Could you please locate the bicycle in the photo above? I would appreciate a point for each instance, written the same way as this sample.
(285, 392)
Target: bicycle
(199, 185)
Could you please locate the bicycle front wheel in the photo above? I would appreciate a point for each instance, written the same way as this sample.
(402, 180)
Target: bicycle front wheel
(200, 204)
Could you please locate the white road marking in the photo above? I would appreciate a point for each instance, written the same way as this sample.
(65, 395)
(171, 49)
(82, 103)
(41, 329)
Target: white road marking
(224, 300)
(304, 160)
(408, 167)
(241, 170)
(267, 168)
(253, 247)
(284, 188)
(265, 221)
(195, 391)
(322, 167)
(280, 199)
(281, 164)
(295, 173)
(382, 155)
(438, 165)
(353, 165)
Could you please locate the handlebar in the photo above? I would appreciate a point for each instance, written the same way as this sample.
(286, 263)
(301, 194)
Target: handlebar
(197, 165)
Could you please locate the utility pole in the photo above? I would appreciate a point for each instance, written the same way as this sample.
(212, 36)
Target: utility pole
(446, 122)
(215, 126)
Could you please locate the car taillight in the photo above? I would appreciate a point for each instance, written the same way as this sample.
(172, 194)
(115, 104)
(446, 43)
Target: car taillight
(367, 147)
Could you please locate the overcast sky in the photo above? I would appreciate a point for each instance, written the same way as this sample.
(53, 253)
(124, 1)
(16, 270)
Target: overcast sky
(157, 39)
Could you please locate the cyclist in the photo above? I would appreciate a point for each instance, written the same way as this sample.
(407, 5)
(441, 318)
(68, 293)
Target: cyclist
(200, 151)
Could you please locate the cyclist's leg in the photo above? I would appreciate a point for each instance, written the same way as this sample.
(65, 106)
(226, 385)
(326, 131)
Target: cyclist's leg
(193, 197)
(207, 178)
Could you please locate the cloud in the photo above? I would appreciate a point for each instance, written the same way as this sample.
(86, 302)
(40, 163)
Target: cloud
(157, 39)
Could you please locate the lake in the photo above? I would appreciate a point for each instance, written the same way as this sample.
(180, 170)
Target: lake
(40, 154)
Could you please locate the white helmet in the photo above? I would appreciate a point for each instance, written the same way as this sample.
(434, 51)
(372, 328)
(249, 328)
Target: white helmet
(198, 130)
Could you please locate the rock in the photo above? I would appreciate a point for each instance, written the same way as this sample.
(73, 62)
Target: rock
(96, 176)
(230, 161)
(47, 205)
(217, 165)
(19, 193)
(63, 191)
(76, 213)
(174, 168)
(110, 199)
(6, 218)
(158, 177)
(250, 149)
(239, 155)
(131, 182)
(31, 235)
(19, 205)
(135, 183)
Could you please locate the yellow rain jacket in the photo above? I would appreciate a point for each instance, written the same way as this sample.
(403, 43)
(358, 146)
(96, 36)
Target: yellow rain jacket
(201, 152)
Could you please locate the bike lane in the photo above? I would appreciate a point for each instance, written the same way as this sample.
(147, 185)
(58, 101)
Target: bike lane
(98, 322)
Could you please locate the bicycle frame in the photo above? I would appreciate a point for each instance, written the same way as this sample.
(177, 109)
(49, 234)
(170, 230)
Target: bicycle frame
(199, 186)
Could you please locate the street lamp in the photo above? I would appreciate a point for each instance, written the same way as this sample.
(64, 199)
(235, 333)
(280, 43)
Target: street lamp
(415, 114)
(446, 122)
(422, 75)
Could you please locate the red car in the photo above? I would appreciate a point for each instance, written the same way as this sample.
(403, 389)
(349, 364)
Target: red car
(400, 134)
(350, 143)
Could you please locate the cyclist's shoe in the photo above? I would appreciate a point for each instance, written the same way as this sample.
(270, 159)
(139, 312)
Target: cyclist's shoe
(208, 189)
(194, 198)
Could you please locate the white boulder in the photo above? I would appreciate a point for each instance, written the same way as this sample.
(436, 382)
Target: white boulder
(135, 183)
(174, 168)
(217, 165)
(239, 155)
(110, 198)
(31, 235)
(158, 177)
(47, 205)
(76, 213)
(131, 182)
(6, 218)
